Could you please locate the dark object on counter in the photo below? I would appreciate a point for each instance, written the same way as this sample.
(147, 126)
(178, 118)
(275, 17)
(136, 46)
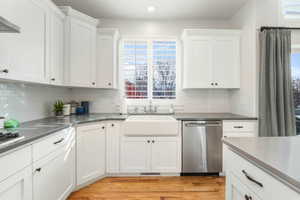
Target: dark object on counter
(86, 106)
(80, 110)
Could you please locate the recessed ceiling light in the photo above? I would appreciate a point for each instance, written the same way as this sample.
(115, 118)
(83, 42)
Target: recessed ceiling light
(151, 9)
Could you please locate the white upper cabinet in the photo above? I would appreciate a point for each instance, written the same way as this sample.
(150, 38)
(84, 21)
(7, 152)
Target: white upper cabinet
(56, 61)
(80, 49)
(23, 55)
(211, 59)
(107, 65)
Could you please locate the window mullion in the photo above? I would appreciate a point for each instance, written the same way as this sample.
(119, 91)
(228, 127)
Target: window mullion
(150, 69)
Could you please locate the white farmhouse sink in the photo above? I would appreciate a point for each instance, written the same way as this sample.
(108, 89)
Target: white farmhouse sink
(150, 125)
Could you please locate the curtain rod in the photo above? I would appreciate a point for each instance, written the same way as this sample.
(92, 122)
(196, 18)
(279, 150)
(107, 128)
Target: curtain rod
(278, 27)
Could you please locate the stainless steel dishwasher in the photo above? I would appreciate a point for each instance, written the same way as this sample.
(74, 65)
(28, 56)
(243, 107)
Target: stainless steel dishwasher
(201, 147)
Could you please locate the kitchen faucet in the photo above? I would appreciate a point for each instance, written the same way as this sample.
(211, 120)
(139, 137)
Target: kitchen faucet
(151, 108)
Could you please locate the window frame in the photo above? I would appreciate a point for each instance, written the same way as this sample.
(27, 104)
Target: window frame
(286, 21)
(149, 40)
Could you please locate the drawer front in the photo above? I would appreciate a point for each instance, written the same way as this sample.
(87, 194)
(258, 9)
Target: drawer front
(262, 184)
(52, 143)
(239, 126)
(15, 161)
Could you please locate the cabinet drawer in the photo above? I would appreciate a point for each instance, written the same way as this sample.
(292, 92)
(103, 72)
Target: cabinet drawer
(15, 161)
(239, 126)
(262, 184)
(52, 143)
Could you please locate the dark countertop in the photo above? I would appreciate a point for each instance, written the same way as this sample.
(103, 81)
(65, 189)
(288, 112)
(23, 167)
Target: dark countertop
(278, 156)
(34, 130)
(211, 116)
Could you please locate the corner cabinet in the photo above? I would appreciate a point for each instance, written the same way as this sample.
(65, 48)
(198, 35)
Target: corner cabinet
(107, 51)
(80, 49)
(211, 59)
(90, 152)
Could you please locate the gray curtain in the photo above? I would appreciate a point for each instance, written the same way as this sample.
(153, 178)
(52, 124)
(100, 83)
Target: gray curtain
(276, 103)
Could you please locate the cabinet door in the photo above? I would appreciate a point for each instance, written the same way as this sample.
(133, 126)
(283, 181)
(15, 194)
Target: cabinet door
(226, 62)
(17, 186)
(197, 63)
(136, 154)
(54, 176)
(23, 54)
(166, 154)
(56, 50)
(90, 152)
(236, 190)
(113, 147)
(82, 66)
(106, 62)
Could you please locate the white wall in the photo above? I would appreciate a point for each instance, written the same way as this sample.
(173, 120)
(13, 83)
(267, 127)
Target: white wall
(188, 101)
(26, 102)
(244, 101)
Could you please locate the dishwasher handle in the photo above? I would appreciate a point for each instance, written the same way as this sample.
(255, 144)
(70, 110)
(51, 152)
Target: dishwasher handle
(203, 124)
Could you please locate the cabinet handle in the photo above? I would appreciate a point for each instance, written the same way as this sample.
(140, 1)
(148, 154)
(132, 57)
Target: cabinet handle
(59, 141)
(4, 71)
(248, 197)
(38, 169)
(252, 179)
(238, 127)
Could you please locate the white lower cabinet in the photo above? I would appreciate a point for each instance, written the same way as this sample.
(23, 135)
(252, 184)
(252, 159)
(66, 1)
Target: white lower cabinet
(236, 190)
(136, 154)
(90, 152)
(113, 147)
(17, 186)
(151, 154)
(54, 176)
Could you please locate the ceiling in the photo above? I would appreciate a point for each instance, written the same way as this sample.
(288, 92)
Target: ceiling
(166, 9)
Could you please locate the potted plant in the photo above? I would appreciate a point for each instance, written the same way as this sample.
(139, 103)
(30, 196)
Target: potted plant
(58, 108)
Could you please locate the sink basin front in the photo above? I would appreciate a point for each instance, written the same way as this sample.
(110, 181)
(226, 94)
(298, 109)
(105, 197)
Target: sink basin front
(151, 125)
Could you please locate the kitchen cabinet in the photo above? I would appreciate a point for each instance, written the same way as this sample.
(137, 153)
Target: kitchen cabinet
(151, 154)
(237, 128)
(211, 59)
(113, 129)
(90, 152)
(136, 154)
(107, 51)
(17, 186)
(56, 61)
(16, 175)
(248, 181)
(237, 190)
(23, 55)
(54, 176)
(166, 154)
(80, 49)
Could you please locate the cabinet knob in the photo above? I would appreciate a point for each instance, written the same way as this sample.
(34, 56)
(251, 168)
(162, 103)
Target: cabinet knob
(109, 84)
(216, 83)
(212, 84)
(93, 83)
(103, 127)
(112, 125)
(153, 141)
(248, 197)
(52, 79)
(4, 71)
(148, 141)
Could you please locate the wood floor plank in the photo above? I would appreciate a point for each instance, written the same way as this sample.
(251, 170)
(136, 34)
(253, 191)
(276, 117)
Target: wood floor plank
(154, 188)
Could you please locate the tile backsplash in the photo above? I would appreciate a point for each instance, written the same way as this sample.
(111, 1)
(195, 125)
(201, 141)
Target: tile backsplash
(26, 102)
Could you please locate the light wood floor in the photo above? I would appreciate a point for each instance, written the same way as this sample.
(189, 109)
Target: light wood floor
(154, 188)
